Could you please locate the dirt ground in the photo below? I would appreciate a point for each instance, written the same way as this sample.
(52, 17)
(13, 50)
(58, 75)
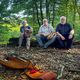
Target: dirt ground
(50, 59)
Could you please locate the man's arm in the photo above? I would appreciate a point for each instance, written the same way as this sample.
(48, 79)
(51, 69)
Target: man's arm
(21, 30)
(58, 33)
(71, 34)
(31, 30)
(51, 28)
(40, 32)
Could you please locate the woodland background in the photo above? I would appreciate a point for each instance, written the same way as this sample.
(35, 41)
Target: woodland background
(12, 12)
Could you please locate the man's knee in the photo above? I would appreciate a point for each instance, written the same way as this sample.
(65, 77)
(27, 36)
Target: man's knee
(53, 38)
(28, 39)
(38, 36)
(21, 35)
(58, 37)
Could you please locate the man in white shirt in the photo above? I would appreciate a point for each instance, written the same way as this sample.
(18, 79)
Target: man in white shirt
(43, 33)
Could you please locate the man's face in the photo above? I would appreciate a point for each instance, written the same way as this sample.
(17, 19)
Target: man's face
(45, 23)
(63, 21)
(24, 23)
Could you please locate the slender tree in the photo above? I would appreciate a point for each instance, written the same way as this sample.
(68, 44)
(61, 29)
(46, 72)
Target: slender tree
(41, 11)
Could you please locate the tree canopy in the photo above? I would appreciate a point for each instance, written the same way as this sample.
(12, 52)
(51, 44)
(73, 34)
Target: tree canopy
(40, 9)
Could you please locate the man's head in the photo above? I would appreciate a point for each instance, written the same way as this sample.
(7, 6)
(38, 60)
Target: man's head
(45, 22)
(63, 19)
(24, 23)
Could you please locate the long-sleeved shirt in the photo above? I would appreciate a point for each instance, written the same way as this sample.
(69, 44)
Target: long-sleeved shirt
(46, 29)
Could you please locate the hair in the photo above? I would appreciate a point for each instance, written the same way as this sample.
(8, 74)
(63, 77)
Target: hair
(24, 21)
(45, 20)
(62, 17)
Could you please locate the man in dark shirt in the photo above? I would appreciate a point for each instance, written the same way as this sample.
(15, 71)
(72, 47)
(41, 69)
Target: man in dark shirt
(65, 33)
(25, 32)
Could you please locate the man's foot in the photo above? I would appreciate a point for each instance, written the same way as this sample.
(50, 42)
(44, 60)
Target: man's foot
(28, 48)
(45, 47)
(19, 46)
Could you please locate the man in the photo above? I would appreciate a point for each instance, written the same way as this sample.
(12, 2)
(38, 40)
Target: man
(25, 33)
(65, 33)
(42, 37)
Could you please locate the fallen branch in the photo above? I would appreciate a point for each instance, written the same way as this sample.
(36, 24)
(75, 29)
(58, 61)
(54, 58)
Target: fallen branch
(76, 70)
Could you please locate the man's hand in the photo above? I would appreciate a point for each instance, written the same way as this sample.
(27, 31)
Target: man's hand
(30, 30)
(70, 36)
(45, 35)
(51, 35)
(27, 29)
(62, 37)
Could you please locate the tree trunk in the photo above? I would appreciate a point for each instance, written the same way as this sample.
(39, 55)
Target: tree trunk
(47, 10)
(34, 15)
(66, 8)
(41, 11)
(53, 15)
(37, 12)
(74, 15)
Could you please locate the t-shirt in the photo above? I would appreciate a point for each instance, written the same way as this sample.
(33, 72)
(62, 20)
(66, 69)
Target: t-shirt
(22, 29)
(64, 29)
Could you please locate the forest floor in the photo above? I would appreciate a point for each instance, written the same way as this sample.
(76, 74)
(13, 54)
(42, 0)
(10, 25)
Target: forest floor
(50, 59)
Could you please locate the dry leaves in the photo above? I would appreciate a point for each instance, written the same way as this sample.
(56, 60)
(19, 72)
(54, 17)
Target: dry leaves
(48, 59)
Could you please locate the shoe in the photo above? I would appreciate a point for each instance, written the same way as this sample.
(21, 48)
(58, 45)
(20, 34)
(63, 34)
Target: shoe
(19, 46)
(44, 47)
(28, 48)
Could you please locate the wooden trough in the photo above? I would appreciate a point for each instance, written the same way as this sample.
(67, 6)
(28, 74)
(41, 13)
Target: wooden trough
(32, 72)
(16, 63)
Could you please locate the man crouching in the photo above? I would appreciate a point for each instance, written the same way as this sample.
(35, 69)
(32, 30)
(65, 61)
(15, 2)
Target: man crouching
(25, 32)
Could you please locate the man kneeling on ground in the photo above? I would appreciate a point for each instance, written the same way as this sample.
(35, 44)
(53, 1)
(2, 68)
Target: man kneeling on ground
(25, 33)
(43, 35)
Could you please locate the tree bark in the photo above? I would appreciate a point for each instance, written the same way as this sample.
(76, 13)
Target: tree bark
(53, 15)
(41, 11)
(74, 14)
(37, 12)
(34, 14)
(47, 10)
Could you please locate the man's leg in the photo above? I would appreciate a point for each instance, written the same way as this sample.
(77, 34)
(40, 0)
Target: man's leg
(61, 42)
(49, 42)
(28, 43)
(39, 39)
(69, 43)
(20, 40)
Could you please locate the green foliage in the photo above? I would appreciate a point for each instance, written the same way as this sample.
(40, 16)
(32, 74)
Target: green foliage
(7, 31)
(4, 35)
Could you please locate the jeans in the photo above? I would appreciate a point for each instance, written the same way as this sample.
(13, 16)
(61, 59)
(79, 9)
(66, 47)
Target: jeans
(43, 41)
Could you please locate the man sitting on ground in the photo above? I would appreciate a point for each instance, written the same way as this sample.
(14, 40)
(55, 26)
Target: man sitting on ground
(25, 33)
(65, 33)
(43, 35)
